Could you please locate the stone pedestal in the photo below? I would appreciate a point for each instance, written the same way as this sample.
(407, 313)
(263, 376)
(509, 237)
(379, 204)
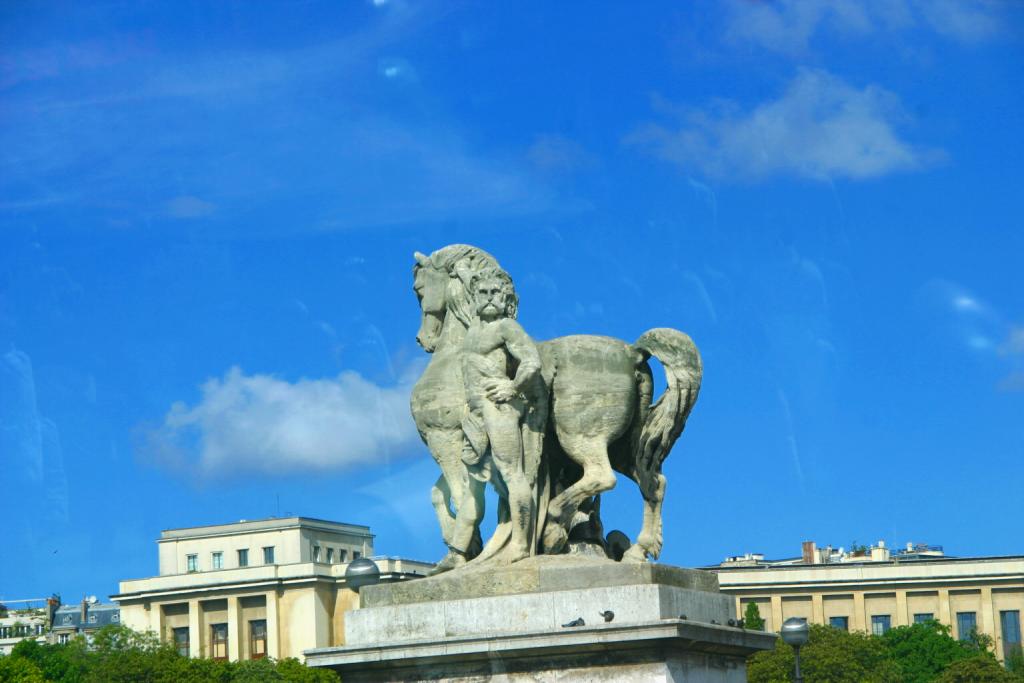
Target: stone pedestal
(513, 623)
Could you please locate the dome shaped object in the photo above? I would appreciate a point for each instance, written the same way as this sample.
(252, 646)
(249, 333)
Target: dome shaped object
(362, 572)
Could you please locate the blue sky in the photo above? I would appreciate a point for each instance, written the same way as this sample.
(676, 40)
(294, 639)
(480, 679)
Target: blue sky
(208, 213)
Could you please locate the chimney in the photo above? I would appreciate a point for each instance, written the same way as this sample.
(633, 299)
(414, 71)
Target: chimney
(85, 610)
(809, 554)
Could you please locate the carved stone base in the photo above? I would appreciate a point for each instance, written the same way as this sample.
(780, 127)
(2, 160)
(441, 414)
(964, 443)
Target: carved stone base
(642, 622)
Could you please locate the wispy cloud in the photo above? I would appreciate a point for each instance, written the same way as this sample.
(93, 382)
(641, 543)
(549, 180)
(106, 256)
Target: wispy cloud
(821, 127)
(982, 328)
(790, 26)
(1012, 349)
(263, 424)
(552, 152)
(233, 129)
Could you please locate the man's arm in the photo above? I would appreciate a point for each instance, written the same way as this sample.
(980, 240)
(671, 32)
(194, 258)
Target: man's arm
(523, 349)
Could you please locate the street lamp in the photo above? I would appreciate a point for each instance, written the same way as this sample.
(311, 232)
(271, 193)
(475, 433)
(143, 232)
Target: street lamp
(362, 572)
(794, 633)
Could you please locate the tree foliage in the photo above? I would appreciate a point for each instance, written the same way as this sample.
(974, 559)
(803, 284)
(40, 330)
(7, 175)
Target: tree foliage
(978, 669)
(120, 655)
(752, 617)
(923, 651)
(831, 655)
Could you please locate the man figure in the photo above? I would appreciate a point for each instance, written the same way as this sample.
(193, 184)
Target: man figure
(504, 422)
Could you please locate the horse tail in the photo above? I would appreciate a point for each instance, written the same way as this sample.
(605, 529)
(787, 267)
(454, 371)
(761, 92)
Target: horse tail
(663, 424)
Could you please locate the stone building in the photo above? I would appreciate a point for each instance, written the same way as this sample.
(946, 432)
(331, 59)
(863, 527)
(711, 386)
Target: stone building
(84, 619)
(246, 590)
(17, 625)
(873, 589)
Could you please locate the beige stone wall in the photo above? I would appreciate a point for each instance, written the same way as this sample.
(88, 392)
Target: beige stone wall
(174, 553)
(302, 603)
(942, 589)
(345, 600)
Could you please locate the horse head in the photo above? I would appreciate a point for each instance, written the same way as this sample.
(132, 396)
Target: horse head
(430, 285)
(441, 283)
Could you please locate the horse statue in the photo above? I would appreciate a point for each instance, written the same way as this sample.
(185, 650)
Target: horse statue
(600, 418)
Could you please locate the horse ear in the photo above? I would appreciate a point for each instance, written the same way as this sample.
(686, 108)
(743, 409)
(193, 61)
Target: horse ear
(421, 259)
(464, 272)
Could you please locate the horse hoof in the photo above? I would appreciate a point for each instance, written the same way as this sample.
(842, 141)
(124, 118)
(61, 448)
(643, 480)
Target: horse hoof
(635, 553)
(555, 539)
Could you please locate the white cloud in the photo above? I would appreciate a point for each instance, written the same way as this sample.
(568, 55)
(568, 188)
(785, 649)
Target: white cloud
(789, 26)
(262, 424)
(821, 127)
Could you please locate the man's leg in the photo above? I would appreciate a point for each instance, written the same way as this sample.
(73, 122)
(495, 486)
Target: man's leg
(503, 430)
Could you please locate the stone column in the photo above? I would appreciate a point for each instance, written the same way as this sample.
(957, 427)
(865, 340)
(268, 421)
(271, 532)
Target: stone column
(777, 612)
(234, 632)
(195, 629)
(902, 617)
(860, 619)
(273, 626)
(944, 614)
(156, 621)
(987, 624)
(817, 609)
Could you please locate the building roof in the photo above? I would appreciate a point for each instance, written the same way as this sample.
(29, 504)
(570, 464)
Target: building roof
(96, 616)
(797, 565)
(260, 525)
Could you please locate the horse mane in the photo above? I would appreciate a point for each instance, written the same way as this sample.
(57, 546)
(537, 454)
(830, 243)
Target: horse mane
(460, 262)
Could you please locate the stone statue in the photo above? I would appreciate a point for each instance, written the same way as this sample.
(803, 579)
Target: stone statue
(503, 423)
(554, 437)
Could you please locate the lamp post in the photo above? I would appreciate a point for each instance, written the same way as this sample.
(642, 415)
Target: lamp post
(362, 572)
(794, 633)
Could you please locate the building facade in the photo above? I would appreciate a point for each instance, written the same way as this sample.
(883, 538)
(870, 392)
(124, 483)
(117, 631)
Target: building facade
(70, 621)
(873, 589)
(252, 589)
(17, 625)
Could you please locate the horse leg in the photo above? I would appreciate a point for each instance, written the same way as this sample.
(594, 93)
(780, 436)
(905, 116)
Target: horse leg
(451, 487)
(590, 453)
(649, 541)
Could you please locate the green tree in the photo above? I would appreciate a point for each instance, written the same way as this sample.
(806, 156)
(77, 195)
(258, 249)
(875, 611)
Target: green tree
(60, 663)
(752, 617)
(831, 655)
(120, 655)
(923, 651)
(19, 670)
(978, 669)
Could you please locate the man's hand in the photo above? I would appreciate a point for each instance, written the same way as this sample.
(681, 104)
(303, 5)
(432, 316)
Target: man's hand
(499, 390)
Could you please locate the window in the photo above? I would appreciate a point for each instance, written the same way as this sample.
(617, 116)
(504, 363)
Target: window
(922, 617)
(116, 616)
(356, 554)
(842, 623)
(243, 557)
(180, 638)
(92, 618)
(192, 563)
(880, 623)
(268, 555)
(218, 560)
(330, 556)
(218, 641)
(258, 638)
(342, 555)
(63, 638)
(316, 553)
(965, 624)
(1009, 620)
